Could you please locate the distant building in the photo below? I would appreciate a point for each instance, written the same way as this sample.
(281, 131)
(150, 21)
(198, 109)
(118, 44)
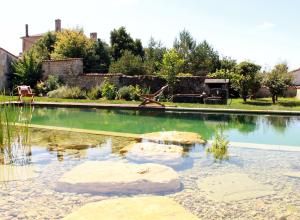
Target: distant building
(29, 40)
(6, 59)
(296, 76)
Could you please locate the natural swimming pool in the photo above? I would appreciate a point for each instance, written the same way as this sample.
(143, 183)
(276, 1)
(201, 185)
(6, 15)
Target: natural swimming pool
(31, 192)
(261, 129)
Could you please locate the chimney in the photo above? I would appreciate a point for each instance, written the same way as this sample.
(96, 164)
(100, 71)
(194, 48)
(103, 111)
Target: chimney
(57, 25)
(93, 36)
(26, 30)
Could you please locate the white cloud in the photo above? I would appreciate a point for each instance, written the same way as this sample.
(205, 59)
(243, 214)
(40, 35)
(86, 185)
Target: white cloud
(266, 25)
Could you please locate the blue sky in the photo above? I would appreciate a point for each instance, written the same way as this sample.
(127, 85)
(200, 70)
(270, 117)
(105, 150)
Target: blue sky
(262, 31)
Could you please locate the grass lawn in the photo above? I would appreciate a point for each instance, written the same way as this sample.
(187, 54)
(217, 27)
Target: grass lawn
(289, 104)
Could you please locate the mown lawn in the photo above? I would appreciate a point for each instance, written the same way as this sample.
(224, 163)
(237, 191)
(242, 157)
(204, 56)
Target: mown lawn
(290, 104)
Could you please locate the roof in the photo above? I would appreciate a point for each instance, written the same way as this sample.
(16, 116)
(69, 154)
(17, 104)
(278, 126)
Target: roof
(296, 75)
(59, 60)
(8, 53)
(218, 81)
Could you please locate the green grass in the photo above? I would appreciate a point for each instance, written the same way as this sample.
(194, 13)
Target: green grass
(289, 104)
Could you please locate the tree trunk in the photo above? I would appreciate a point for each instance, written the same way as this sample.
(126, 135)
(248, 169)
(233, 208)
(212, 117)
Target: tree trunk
(245, 98)
(274, 99)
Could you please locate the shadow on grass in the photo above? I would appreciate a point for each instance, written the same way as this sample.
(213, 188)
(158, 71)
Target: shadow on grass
(290, 104)
(258, 103)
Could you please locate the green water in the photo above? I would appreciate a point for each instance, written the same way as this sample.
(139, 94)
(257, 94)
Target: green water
(261, 129)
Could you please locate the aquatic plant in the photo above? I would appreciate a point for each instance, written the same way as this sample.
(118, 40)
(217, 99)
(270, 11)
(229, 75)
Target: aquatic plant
(219, 147)
(14, 133)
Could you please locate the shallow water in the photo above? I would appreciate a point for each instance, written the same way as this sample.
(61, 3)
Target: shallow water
(52, 153)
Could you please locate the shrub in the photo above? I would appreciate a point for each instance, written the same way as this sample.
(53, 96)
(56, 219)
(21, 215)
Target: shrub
(95, 93)
(52, 83)
(129, 92)
(40, 88)
(67, 93)
(109, 91)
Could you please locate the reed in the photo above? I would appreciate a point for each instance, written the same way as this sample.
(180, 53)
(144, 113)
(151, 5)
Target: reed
(14, 133)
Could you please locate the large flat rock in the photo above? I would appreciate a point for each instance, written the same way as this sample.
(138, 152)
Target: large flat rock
(233, 187)
(293, 174)
(18, 173)
(119, 177)
(136, 208)
(152, 152)
(174, 137)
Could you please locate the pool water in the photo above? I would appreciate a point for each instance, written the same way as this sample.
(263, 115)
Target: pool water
(52, 153)
(259, 129)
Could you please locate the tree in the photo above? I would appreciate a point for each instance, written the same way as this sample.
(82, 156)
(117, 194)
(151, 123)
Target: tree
(74, 44)
(171, 65)
(278, 80)
(245, 77)
(204, 59)
(45, 46)
(128, 64)
(27, 70)
(185, 46)
(100, 60)
(153, 57)
(121, 41)
(227, 63)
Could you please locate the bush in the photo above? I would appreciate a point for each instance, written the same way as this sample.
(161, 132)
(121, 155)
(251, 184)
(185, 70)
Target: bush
(67, 93)
(109, 91)
(95, 93)
(219, 147)
(52, 83)
(129, 93)
(40, 88)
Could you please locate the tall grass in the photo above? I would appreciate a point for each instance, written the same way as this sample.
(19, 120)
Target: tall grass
(14, 133)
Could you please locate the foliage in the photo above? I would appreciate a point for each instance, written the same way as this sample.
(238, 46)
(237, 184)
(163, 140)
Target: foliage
(109, 91)
(278, 80)
(172, 63)
(95, 93)
(52, 83)
(128, 64)
(227, 63)
(27, 70)
(184, 74)
(185, 46)
(153, 57)
(219, 147)
(45, 46)
(129, 93)
(244, 78)
(204, 59)
(121, 41)
(67, 93)
(74, 44)
(102, 57)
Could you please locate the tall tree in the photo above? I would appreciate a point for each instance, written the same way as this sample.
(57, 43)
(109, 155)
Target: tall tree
(121, 41)
(45, 46)
(227, 63)
(204, 59)
(185, 46)
(100, 60)
(153, 56)
(278, 80)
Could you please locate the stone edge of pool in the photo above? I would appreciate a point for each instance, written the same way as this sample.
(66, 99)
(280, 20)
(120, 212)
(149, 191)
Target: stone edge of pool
(270, 147)
(158, 108)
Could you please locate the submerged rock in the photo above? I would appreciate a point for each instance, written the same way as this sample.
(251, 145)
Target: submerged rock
(17, 173)
(136, 208)
(153, 152)
(233, 187)
(119, 177)
(174, 137)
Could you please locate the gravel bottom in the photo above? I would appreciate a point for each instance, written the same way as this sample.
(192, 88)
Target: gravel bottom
(38, 199)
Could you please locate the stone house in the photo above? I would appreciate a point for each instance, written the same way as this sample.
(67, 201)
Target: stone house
(6, 58)
(296, 81)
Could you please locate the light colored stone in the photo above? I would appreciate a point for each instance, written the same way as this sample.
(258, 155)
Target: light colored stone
(17, 173)
(119, 177)
(174, 137)
(292, 174)
(136, 208)
(157, 153)
(233, 187)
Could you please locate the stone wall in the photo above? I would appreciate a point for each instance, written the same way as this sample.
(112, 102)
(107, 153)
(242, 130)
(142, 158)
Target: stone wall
(63, 68)
(185, 84)
(6, 59)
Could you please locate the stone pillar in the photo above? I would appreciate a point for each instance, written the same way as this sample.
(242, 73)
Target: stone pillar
(57, 25)
(93, 36)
